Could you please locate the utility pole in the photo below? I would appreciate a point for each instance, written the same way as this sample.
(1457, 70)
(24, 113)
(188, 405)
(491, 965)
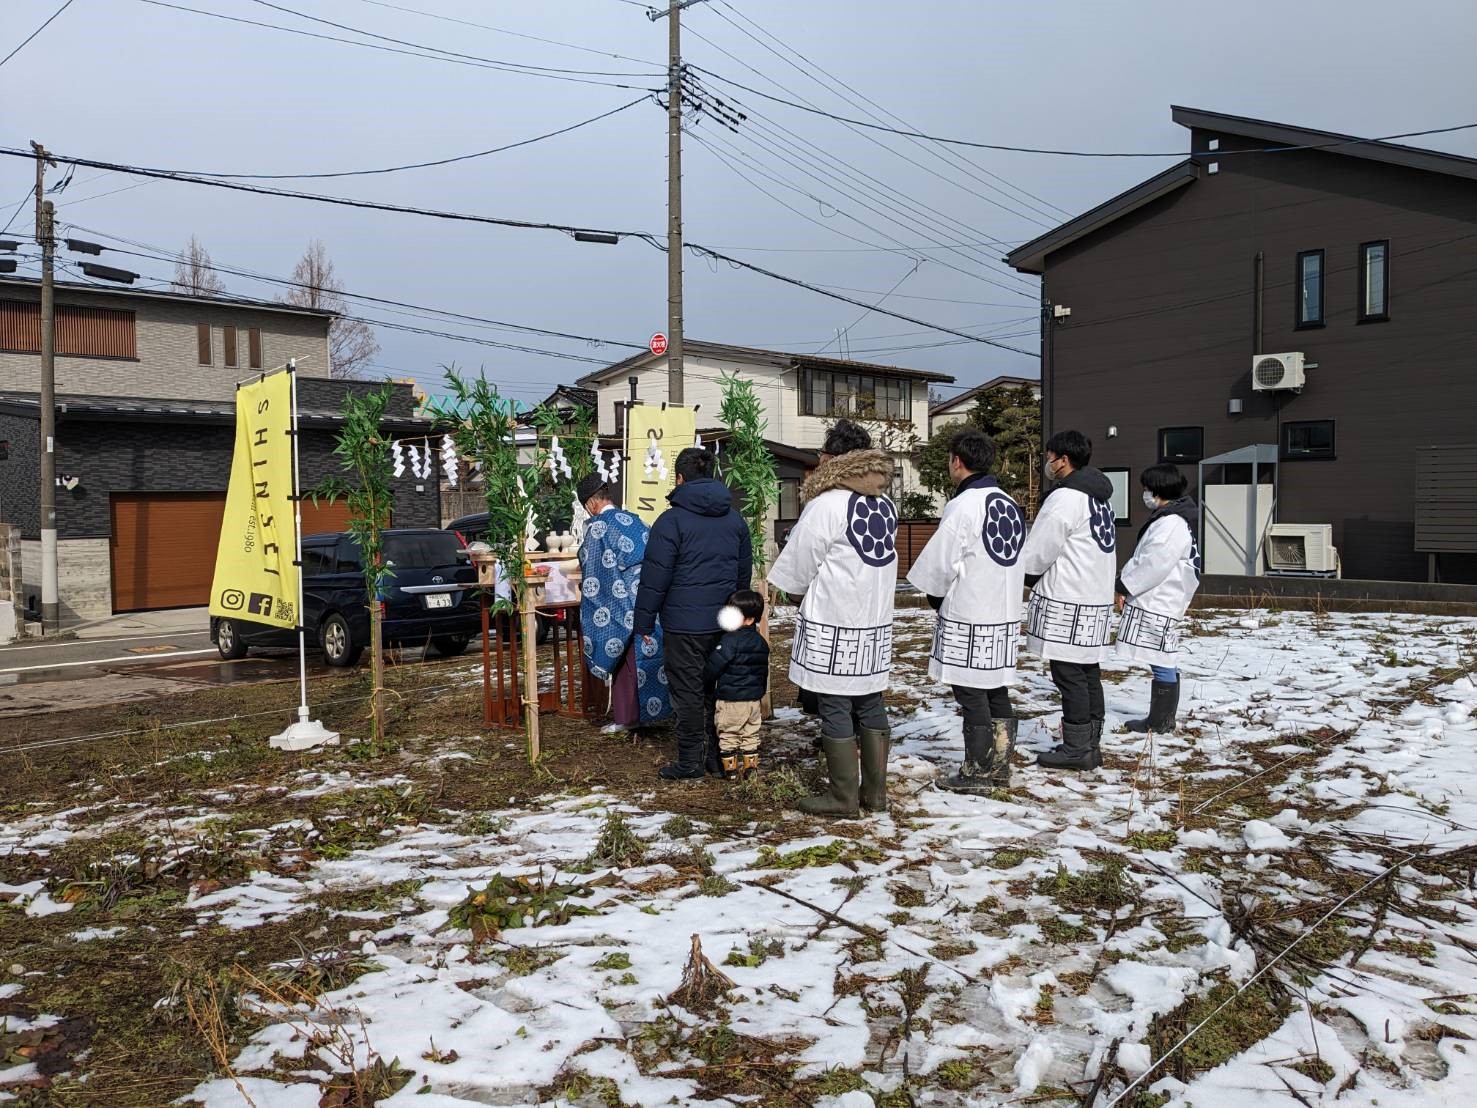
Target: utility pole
(46, 236)
(674, 196)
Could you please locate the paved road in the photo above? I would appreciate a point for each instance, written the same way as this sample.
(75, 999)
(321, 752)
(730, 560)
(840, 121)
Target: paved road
(76, 659)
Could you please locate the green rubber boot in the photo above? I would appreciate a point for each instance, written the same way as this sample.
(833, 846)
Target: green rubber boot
(843, 797)
(875, 745)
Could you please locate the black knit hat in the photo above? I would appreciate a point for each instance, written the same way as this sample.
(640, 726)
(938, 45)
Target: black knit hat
(589, 485)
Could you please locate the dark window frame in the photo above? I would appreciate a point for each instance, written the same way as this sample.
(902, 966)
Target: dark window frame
(204, 344)
(1299, 323)
(1286, 453)
(230, 346)
(254, 347)
(1108, 471)
(1180, 459)
(1366, 316)
(866, 384)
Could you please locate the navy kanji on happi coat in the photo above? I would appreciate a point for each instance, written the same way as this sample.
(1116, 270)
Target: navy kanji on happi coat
(610, 565)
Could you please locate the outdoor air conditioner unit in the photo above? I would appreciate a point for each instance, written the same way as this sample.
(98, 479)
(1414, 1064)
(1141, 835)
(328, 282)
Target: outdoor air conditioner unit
(1299, 548)
(1270, 372)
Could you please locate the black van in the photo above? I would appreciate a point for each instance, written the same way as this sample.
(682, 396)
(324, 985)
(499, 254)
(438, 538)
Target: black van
(428, 598)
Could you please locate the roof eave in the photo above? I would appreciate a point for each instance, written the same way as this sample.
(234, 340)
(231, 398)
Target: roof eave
(1283, 134)
(1031, 257)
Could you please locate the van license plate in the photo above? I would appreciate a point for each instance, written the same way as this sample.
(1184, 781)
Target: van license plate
(438, 600)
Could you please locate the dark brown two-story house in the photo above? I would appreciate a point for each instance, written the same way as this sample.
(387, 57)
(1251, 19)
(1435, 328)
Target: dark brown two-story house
(1356, 259)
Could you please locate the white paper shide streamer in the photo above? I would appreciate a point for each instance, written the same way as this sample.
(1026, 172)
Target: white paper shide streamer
(598, 457)
(397, 458)
(654, 462)
(415, 459)
(558, 463)
(448, 460)
(428, 460)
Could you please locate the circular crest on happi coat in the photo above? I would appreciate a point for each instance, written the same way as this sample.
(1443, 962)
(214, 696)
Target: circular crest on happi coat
(1104, 526)
(1004, 532)
(871, 528)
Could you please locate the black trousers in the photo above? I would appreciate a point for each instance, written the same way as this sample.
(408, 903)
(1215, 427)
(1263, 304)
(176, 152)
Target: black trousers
(685, 660)
(983, 705)
(1081, 686)
(841, 715)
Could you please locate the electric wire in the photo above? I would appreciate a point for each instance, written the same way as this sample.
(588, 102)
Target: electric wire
(1076, 153)
(439, 50)
(810, 68)
(785, 183)
(915, 216)
(515, 34)
(437, 56)
(796, 142)
(26, 41)
(421, 165)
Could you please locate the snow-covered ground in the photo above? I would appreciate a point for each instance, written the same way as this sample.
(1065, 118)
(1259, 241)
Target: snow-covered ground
(959, 950)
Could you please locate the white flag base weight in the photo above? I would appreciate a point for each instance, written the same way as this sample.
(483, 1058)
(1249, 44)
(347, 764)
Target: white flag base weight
(305, 734)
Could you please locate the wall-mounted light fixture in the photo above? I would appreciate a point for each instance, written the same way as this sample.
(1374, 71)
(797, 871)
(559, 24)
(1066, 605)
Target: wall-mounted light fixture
(1233, 406)
(1112, 430)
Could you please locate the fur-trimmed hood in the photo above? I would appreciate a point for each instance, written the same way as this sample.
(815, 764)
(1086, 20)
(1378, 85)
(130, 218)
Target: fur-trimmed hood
(868, 472)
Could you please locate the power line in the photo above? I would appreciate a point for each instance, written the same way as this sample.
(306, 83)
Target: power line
(421, 165)
(698, 248)
(345, 201)
(29, 193)
(26, 41)
(436, 56)
(1071, 153)
(915, 215)
(847, 329)
(448, 53)
(515, 34)
(809, 69)
(784, 183)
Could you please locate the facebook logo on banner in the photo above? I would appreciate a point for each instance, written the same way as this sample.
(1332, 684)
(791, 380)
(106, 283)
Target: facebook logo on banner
(261, 604)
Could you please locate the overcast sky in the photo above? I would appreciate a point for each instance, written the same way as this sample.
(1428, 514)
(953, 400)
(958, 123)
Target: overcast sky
(126, 81)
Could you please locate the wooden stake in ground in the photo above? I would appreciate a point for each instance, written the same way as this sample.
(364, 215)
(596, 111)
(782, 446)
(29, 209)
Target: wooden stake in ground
(702, 981)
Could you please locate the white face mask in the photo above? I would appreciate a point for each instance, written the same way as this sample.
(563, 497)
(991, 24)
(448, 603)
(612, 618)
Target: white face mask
(1050, 476)
(1150, 500)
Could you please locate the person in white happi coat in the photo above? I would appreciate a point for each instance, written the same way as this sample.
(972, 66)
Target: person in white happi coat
(971, 573)
(1154, 592)
(1070, 565)
(841, 559)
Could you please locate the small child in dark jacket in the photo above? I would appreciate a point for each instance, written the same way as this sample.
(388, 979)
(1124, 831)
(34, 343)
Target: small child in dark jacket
(739, 670)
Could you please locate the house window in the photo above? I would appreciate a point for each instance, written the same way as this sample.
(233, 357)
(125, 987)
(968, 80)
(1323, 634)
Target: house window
(202, 342)
(828, 393)
(1307, 440)
(228, 340)
(1119, 500)
(254, 347)
(1310, 289)
(1374, 281)
(1181, 444)
(80, 332)
(789, 503)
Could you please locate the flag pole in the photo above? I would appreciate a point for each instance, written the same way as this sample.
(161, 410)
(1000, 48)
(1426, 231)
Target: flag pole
(305, 733)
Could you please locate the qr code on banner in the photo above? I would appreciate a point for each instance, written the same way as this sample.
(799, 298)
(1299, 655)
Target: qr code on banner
(284, 611)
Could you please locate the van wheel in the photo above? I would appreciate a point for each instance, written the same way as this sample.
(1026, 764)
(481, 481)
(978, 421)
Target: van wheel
(228, 641)
(449, 646)
(339, 648)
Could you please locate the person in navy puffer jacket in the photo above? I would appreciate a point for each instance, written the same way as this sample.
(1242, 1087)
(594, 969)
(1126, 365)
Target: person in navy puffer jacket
(698, 554)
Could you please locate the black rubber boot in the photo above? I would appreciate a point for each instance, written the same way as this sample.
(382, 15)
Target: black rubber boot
(676, 771)
(1097, 744)
(874, 745)
(843, 796)
(1075, 751)
(976, 774)
(1164, 705)
(1004, 732)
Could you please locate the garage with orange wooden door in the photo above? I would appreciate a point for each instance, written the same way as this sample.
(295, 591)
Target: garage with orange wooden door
(162, 546)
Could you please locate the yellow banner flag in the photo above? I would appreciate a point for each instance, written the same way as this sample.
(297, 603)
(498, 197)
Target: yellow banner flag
(255, 578)
(671, 430)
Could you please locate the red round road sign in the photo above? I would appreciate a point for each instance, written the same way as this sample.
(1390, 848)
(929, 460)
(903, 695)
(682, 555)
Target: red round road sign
(658, 344)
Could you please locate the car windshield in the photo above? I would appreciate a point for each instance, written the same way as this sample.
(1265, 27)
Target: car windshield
(441, 548)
